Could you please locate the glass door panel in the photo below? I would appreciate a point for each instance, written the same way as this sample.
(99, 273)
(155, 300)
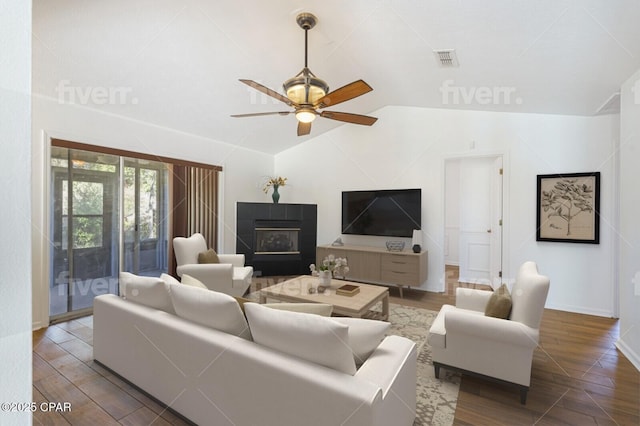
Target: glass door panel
(145, 222)
(84, 229)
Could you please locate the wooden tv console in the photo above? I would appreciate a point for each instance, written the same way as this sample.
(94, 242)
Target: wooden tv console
(377, 265)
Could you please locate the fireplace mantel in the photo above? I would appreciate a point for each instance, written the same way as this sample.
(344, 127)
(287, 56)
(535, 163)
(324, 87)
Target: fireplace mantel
(277, 239)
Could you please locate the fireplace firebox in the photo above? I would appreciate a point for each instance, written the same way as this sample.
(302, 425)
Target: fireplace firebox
(277, 239)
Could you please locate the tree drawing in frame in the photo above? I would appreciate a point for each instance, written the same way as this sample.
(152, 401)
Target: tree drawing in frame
(568, 208)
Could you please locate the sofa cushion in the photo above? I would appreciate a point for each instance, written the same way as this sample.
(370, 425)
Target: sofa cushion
(169, 279)
(499, 304)
(364, 336)
(209, 256)
(148, 291)
(193, 282)
(211, 309)
(311, 337)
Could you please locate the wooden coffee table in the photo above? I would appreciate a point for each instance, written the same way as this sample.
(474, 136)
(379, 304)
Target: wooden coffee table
(359, 305)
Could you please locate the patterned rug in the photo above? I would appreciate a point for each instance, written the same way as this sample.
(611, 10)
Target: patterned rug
(436, 398)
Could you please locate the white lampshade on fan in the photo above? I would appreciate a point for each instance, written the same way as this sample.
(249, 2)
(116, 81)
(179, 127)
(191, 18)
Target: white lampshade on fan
(305, 115)
(416, 241)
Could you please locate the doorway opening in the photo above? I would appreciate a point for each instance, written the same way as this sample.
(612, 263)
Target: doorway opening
(474, 218)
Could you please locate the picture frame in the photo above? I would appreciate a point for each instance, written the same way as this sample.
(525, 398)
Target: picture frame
(568, 208)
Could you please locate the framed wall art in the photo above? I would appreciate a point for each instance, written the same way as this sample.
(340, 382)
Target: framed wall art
(568, 208)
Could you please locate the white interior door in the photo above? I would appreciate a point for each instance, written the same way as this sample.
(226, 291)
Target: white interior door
(480, 214)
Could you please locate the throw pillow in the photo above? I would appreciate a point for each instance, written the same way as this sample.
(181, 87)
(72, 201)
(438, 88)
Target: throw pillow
(364, 336)
(211, 309)
(209, 256)
(499, 304)
(149, 291)
(193, 282)
(170, 280)
(310, 337)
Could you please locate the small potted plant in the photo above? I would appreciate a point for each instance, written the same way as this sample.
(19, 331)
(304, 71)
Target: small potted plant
(331, 267)
(275, 182)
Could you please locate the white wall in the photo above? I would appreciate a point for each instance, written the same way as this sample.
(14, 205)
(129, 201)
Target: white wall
(629, 342)
(15, 249)
(243, 170)
(408, 146)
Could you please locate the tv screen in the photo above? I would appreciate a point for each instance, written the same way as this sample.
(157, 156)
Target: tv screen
(392, 213)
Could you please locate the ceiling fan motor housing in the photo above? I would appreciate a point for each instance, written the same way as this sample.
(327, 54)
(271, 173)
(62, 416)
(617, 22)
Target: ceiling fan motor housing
(305, 88)
(306, 20)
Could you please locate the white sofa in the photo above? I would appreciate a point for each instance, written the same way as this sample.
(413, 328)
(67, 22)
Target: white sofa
(230, 276)
(215, 378)
(463, 338)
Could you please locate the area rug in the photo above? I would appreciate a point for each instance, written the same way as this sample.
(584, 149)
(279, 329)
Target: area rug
(436, 398)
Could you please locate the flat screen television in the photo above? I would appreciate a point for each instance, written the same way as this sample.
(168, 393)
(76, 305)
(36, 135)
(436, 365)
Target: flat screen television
(389, 212)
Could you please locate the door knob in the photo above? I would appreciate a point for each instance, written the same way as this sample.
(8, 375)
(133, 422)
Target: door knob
(489, 231)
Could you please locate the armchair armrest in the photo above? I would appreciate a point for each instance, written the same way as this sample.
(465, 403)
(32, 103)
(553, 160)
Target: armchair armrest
(458, 323)
(237, 260)
(216, 276)
(472, 299)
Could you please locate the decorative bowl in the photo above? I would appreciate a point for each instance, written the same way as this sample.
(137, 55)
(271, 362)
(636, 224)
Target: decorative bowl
(395, 245)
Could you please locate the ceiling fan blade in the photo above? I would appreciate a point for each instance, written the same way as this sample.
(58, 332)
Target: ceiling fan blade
(264, 89)
(345, 93)
(365, 120)
(257, 114)
(303, 128)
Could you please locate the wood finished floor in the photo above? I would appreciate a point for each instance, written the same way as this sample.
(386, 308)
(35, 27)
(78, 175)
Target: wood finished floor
(578, 377)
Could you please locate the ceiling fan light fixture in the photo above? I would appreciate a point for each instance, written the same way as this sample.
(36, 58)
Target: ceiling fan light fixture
(305, 88)
(305, 115)
(306, 93)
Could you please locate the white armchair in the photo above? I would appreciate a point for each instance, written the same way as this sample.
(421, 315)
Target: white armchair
(462, 338)
(230, 276)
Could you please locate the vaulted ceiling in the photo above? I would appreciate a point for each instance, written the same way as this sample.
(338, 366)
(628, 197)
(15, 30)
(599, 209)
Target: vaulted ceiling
(176, 64)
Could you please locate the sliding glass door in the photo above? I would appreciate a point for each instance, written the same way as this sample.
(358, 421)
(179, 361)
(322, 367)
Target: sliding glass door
(145, 213)
(86, 225)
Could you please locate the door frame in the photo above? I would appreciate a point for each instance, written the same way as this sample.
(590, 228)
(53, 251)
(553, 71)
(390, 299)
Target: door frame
(506, 272)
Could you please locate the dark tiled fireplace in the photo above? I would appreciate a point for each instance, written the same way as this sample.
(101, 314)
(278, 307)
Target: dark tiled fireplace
(277, 239)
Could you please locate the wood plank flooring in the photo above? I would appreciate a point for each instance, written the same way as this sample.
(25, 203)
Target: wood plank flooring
(578, 377)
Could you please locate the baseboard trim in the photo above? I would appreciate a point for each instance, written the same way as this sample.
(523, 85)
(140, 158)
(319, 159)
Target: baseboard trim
(581, 310)
(629, 353)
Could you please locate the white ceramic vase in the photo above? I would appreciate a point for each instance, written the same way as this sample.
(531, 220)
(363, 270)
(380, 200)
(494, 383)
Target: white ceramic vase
(324, 278)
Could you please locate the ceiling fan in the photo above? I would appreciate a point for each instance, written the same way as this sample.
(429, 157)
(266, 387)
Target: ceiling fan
(307, 94)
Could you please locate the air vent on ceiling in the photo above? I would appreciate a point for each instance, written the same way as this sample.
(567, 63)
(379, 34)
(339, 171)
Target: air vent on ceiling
(610, 106)
(446, 57)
